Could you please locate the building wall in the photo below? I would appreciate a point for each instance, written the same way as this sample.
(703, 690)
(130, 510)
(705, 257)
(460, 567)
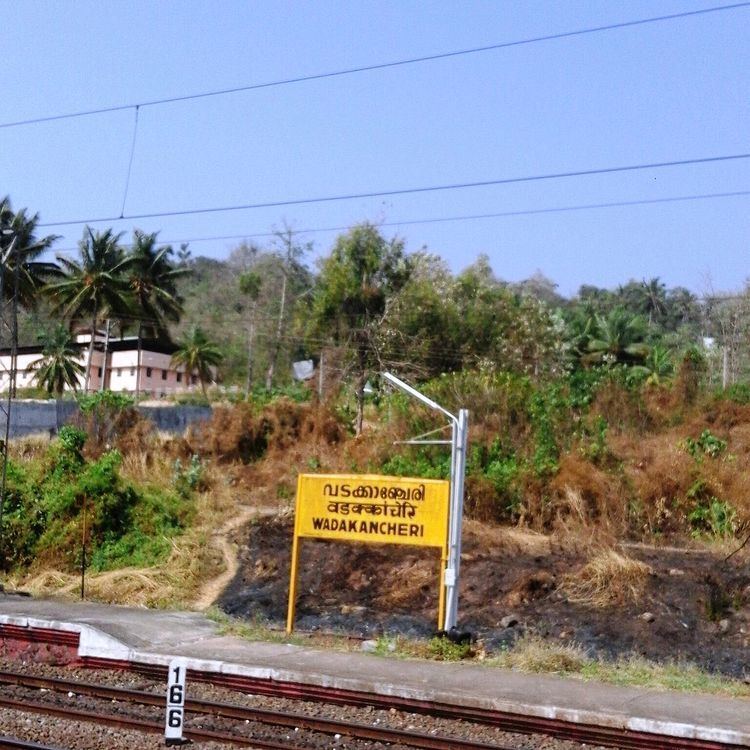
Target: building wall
(157, 376)
(32, 417)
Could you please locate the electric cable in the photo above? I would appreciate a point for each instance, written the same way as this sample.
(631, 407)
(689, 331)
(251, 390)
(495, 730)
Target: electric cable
(467, 217)
(410, 191)
(378, 66)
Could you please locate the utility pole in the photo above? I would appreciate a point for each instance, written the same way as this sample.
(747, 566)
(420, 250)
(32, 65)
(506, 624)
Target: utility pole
(10, 326)
(320, 377)
(104, 359)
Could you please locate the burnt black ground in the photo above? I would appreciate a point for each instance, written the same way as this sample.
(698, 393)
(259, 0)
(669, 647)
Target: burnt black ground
(700, 603)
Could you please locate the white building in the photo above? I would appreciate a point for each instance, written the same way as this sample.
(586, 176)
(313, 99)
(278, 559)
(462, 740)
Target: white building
(122, 367)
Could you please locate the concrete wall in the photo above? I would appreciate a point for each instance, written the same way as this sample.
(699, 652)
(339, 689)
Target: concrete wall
(29, 417)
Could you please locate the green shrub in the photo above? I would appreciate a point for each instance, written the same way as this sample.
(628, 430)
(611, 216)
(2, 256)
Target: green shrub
(187, 480)
(297, 392)
(739, 393)
(52, 504)
(72, 439)
(444, 649)
(22, 521)
(706, 445)
(714, 517)
(420, 463)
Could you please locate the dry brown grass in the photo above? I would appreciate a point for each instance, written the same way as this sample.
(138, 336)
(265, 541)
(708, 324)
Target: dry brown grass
(608, 578)
(178, 580)
(533, 654)
(148, 465)
(171, 585)
(29, 447)
(583, 496)
(239, 433)
(622, 408)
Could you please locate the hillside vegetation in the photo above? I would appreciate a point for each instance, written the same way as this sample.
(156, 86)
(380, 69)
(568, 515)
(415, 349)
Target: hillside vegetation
(609, 446)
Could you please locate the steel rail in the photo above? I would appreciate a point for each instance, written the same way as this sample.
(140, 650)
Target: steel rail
(619, 737)
(139, 725)
(245, 713)
(11, 743)
(512, 722)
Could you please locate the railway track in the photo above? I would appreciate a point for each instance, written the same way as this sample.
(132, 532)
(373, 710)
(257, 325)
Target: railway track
(590, 734)
(278, 719)
(10, 743)
(611, 736)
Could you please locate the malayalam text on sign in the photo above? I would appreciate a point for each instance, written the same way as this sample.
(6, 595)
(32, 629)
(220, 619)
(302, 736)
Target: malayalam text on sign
(372, 508)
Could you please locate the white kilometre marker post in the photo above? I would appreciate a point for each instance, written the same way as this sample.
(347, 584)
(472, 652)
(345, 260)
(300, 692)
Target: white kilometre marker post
(458, 443)
(175, 703)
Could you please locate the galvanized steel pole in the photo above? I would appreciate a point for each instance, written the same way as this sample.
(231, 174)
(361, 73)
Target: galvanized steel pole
(459, 440)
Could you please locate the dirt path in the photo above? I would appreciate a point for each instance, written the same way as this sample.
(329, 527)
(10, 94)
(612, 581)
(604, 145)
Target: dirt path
(212, 589)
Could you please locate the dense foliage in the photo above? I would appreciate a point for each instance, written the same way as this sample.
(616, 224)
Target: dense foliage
(57, 505)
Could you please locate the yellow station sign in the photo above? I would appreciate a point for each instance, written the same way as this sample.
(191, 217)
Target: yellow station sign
(372, 508)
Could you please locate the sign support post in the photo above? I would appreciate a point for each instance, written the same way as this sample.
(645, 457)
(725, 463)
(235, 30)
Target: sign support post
(458, 443)
(293, 574)
(374, 509)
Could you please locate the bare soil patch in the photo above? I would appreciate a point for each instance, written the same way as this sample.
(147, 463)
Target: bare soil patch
(691, 605)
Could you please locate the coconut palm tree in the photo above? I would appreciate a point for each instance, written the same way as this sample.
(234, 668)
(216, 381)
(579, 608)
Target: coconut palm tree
(153, 284)
(33, 273)
(657, 366)
(96, 286)
(617, 338)
(24, 275)
(58, 366)
(654, 298)
(197, 355)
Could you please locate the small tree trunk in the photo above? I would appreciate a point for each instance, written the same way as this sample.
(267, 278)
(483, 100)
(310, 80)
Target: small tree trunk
(138, 362)
(90, 363)
(103, 381)
(250, 342)
(279, 331)
(360, 407)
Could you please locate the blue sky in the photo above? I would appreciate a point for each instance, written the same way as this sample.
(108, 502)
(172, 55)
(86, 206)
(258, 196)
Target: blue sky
(666, 91)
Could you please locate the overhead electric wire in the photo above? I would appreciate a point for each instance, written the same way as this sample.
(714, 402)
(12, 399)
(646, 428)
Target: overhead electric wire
(379, 66)
(466, 217)
(408, 191)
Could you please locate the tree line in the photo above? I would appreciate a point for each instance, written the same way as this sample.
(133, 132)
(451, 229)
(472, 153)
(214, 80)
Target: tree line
(368, 306)
(136, 289)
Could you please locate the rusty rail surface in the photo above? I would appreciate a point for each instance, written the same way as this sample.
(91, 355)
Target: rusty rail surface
(230, 711)
(510, 722)
(11, 743)
(618, 737)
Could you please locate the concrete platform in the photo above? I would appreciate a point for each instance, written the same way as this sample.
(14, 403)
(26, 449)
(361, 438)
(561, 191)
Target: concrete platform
(154, 637)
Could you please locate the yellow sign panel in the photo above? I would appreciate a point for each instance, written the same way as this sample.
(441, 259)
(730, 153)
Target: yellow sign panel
(372, 508)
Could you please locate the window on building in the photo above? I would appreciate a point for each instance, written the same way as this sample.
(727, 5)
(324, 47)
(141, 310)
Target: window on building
(179, 377)
(132, 370)
(194, 379)
(163, 374)
(100, 371)
(148, 372)
(119, 372)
